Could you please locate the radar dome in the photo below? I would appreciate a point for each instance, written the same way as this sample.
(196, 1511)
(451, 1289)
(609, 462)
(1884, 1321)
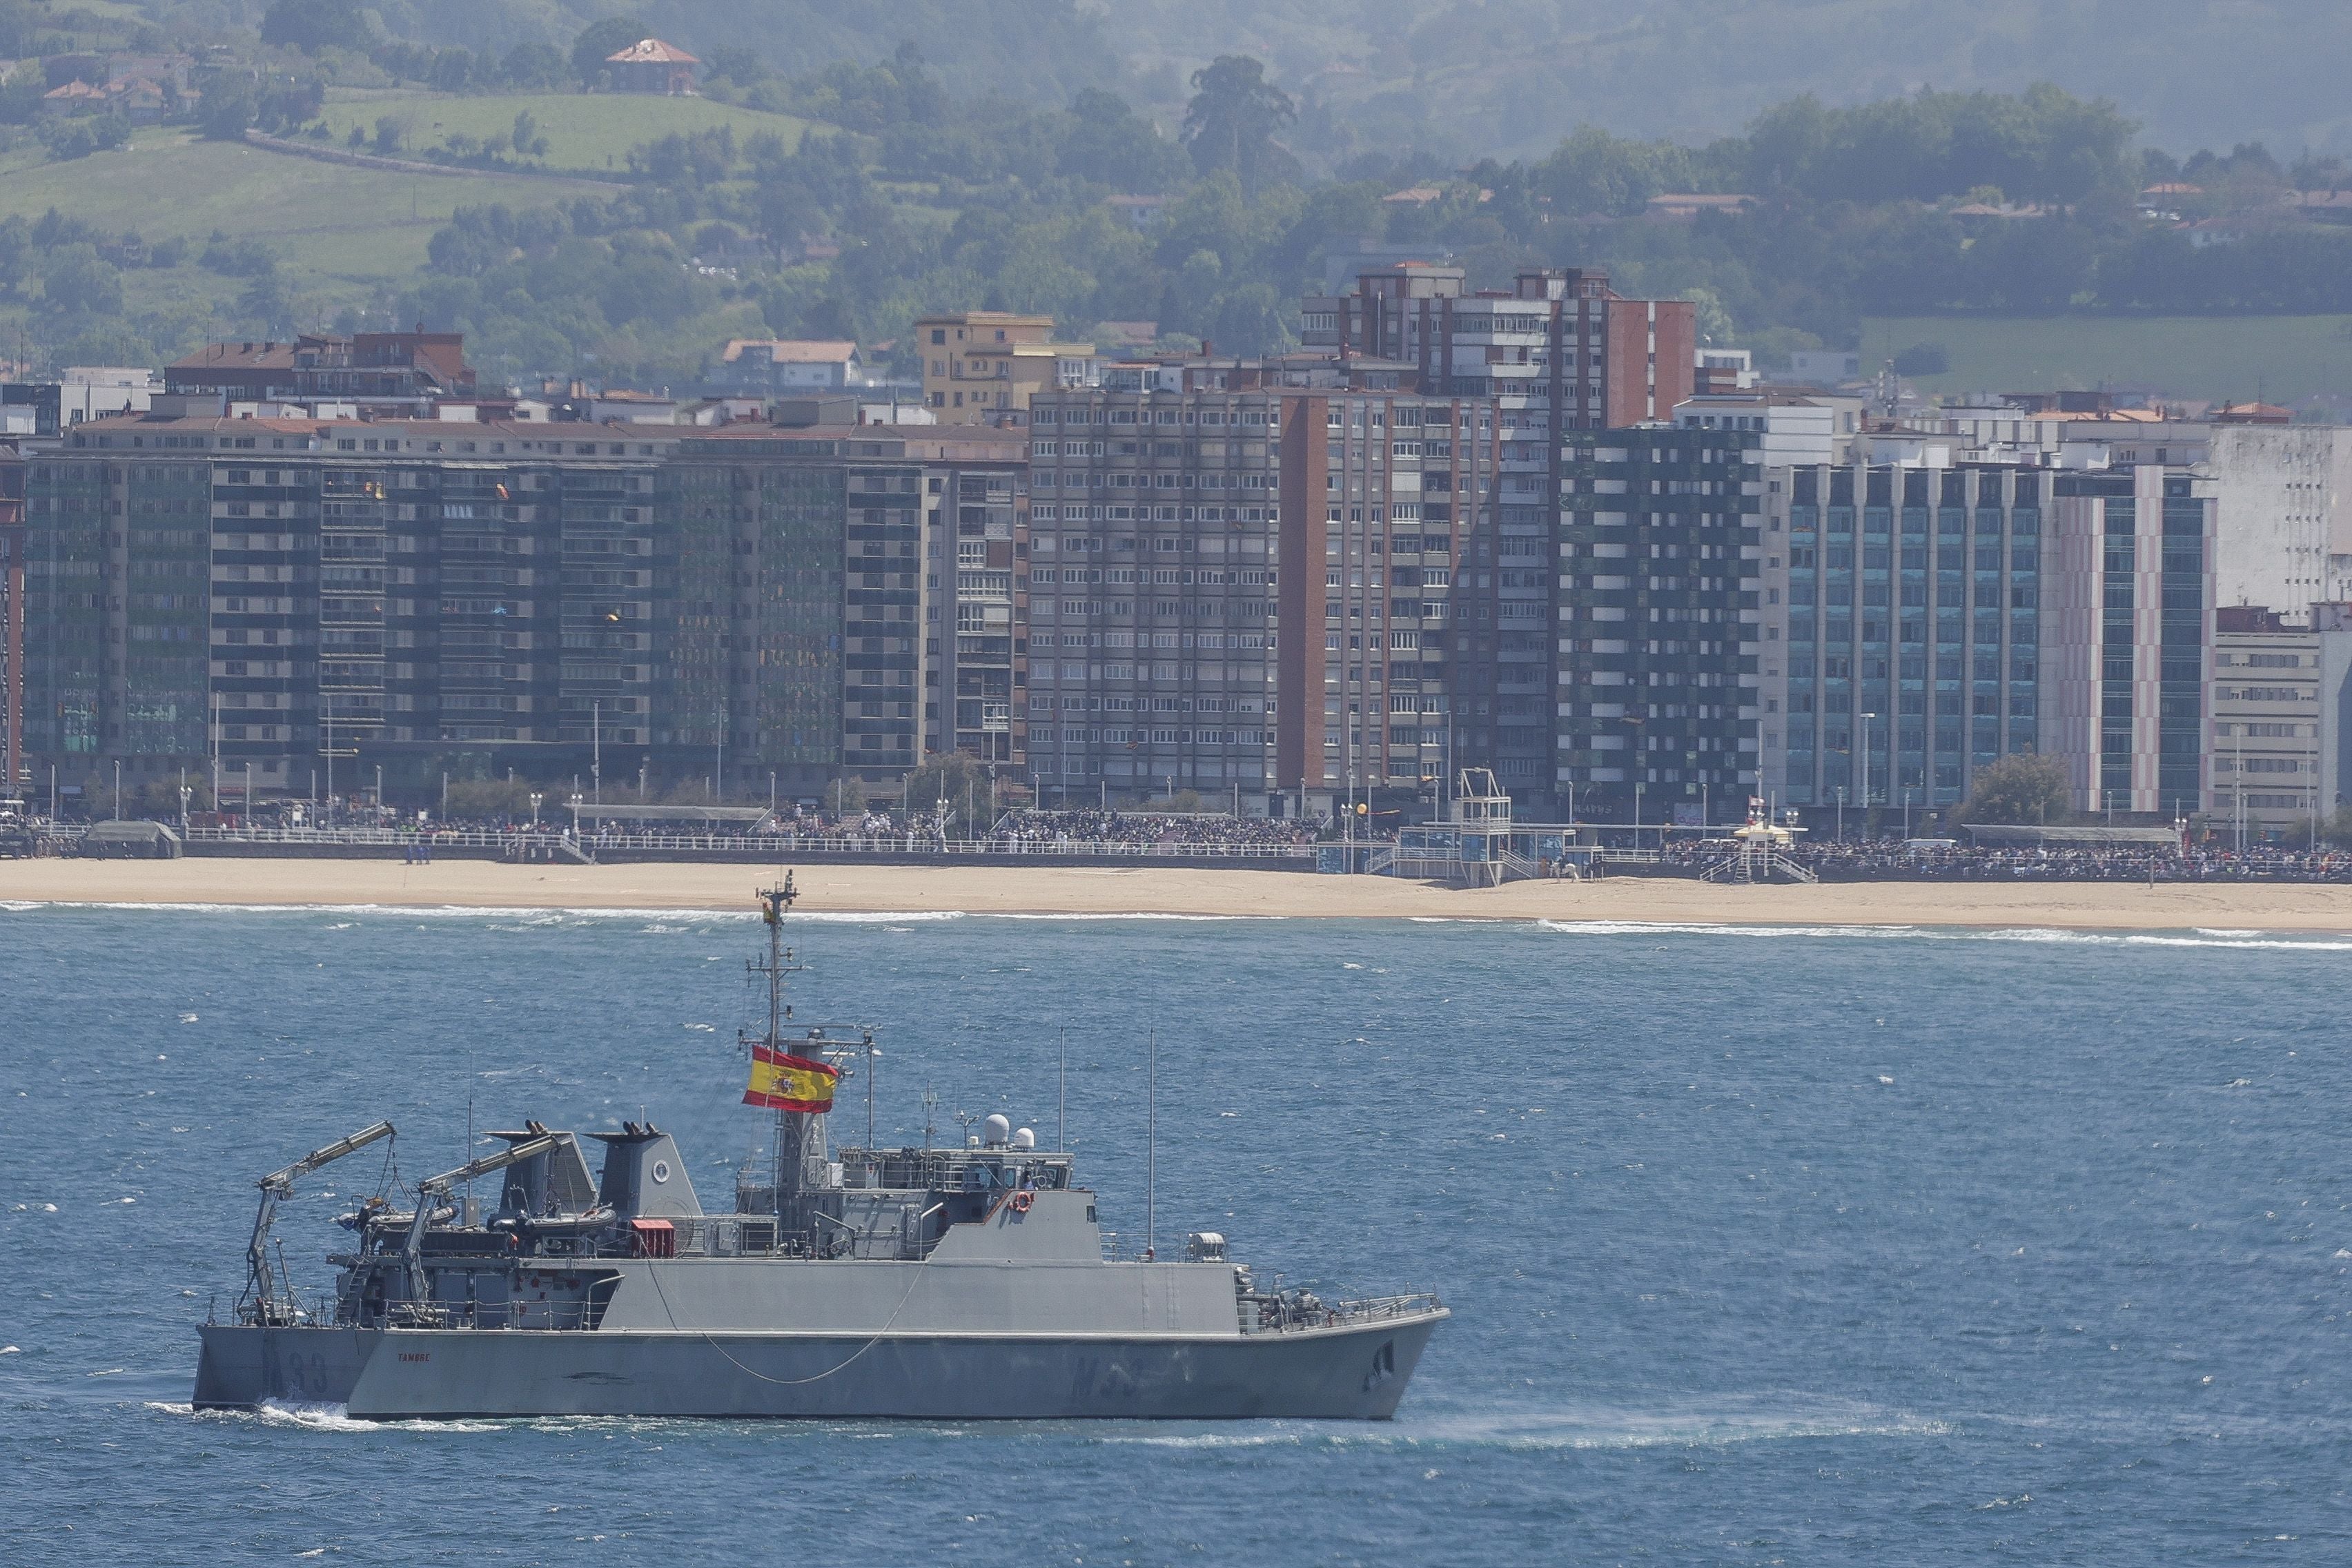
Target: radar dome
(996, 1130)
(1024, 1139)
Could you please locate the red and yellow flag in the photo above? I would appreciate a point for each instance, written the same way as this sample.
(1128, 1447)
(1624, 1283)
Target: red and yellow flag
(783, 1082)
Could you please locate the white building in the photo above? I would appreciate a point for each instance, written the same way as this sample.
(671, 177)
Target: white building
(1799, 428)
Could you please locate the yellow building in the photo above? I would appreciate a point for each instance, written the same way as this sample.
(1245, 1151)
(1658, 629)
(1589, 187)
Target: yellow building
(980, 367)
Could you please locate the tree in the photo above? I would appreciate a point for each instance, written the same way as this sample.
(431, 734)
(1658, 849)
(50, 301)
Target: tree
(228, 110)
(599, 41)
(954, 785)
(528, 142)
(1232, 120)
(76, 280)
(314, 24)
(2019, 788)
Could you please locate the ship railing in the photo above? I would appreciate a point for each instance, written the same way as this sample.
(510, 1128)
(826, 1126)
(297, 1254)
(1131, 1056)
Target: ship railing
(1286, 1318)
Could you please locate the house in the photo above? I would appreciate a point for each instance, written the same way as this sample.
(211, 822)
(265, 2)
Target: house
(759, 365)
(1683, 206)
(1141, 211)
(73, 98)
(651, 65)
(137, 98)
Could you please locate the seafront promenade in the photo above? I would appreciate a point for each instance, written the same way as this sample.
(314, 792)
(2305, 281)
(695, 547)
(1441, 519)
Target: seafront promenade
(1112, 890)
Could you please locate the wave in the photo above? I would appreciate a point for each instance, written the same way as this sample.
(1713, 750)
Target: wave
(652, 920)
(312, 1417)
(1582, 1429)
(2046, 934)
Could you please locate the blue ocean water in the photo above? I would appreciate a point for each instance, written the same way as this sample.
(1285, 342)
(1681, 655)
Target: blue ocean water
(1794, 1246)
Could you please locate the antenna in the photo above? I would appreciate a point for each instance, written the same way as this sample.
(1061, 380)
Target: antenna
(930, 1105)
(1152, 1151)
(1062, 1097)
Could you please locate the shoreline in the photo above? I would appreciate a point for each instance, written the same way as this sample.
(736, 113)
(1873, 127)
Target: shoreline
(1175, 892)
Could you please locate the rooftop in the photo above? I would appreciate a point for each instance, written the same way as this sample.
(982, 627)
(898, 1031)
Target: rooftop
(651, 51)
(790, 351)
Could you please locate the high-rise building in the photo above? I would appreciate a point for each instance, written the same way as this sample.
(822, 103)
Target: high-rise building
(1246, 574)
(1658, 636)
(849, 598)
(2275, 721)
(1560, 341)
(1902, 632)
(2126, 629)
(289, 597)
(285, 596)
(1921, 622)
(1557, 353)
(982, 367)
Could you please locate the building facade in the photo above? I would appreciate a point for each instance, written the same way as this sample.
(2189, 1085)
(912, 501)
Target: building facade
(1902, 631)
(982, 367)
(1658, 630)
(2272, 734)
(291, 598)
(2128, 629)
(1246, 572)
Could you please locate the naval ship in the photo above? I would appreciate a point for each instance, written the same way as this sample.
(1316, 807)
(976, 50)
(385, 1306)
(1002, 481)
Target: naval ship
(952, 1283)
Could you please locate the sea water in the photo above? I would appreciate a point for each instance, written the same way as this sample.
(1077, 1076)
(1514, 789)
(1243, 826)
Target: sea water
(1765, 1246)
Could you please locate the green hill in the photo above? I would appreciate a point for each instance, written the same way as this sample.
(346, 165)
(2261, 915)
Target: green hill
(337, 225)
(586, 133)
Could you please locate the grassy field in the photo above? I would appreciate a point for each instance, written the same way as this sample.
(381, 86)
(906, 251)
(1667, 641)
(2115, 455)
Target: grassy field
(587, 132)
(334, 224)
(2283, 359)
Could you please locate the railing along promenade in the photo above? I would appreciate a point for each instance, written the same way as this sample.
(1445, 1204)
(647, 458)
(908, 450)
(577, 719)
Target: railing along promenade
(525, 844)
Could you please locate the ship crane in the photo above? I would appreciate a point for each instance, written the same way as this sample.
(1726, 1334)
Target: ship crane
(260, 1285)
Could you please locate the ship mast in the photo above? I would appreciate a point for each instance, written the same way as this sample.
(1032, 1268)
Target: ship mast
(789, 1175)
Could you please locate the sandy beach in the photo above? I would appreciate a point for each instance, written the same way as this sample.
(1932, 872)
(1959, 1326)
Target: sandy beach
(981, 890)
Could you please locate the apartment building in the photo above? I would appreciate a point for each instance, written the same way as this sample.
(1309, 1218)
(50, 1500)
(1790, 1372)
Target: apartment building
(2269, 732)
(1557, 351)
(2127, 634)
(292, 598)
(1560, 342)
(1656, 715)
(388, 375)
(849, 599)
(285, 597)
(1902, 630)
(982, 367)
(1246, 572)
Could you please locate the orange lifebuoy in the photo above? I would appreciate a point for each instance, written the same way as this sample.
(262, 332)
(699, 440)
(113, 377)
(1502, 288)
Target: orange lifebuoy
(1021, 1201)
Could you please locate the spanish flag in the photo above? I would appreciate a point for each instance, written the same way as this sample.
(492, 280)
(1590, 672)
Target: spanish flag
(783, 1082)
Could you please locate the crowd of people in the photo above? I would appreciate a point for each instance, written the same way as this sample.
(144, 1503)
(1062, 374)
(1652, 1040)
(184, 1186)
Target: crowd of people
(1172, 830)
(1895, 860)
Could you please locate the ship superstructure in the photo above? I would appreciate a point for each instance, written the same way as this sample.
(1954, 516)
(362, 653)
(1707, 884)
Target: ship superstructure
(961, 1282)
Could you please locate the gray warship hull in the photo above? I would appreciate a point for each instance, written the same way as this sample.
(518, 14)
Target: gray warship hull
(1350, 1372)
(955, 1284)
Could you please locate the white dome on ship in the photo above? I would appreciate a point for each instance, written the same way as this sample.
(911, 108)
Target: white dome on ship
(995, 1131)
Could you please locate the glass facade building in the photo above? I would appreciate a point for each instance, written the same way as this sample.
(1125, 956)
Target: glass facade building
(1903, 638)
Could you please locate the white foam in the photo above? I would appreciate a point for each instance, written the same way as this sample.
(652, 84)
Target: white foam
(2039, 934)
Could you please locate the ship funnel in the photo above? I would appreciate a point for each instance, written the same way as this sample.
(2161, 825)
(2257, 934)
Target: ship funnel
(996, 1131)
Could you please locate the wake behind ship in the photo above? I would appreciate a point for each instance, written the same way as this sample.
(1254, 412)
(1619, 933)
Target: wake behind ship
(960, 1283)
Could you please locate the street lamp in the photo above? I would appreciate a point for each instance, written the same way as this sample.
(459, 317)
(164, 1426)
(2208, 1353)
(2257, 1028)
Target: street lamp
(1867, 720)
(536, 797)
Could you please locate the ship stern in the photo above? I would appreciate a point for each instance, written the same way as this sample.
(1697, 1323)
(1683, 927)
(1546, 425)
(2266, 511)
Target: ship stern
(242, 1368)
